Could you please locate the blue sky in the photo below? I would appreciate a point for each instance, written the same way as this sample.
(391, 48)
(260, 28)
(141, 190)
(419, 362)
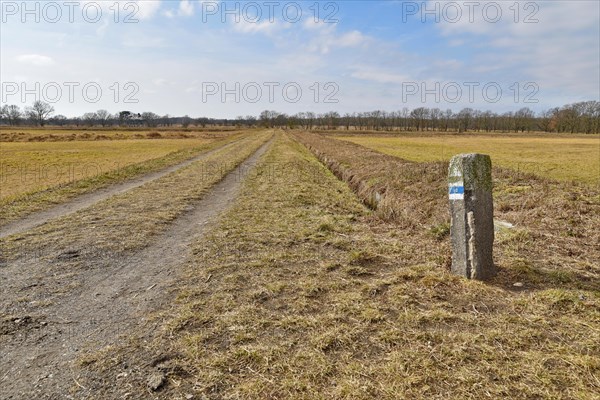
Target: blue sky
(176, 57)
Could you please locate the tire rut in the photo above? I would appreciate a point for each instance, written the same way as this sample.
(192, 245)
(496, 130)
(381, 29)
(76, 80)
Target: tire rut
(86, 200)
(115, 296)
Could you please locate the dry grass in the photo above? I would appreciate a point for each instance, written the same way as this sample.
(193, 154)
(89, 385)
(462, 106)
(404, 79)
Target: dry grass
(557, 224)
(301, 293)
(127, 221)
(35, 176)
(559, 157)
(36, 166)
(54, 134)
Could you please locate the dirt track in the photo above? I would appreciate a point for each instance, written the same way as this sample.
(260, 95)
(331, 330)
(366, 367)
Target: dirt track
(86, 200)
(113, 294)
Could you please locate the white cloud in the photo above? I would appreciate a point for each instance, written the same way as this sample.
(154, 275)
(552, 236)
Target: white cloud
(327, 38)
(146, 9)
(266, 27)
(186, 8)
(35, 59)
(143, 40)
(373, 74)
(159, 81)
(559, 52)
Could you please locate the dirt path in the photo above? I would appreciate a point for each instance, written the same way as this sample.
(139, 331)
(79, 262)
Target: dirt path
(114, 295)
(38, 218)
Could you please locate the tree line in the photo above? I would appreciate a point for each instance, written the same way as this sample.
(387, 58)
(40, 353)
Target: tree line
(582, 117)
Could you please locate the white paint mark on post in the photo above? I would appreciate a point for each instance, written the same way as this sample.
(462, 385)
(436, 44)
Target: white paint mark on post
(456, 191)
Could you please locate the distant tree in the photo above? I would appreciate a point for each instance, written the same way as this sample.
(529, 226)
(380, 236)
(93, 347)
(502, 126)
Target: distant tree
(4, 113)
(124, 117)
(11, 113)
(165, 120)
(90, 118)
(150, 119)
(58, 120)
(280, 120)
(39, 112)
(202, 121)
(332, 119)
(251, 120)
(545, 120)
(419, 116)
(267, 118)
(185, 121)
(523, 119)
(464, 119)
(103, 117)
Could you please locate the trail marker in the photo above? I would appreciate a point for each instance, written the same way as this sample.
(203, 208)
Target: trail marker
(472, 216)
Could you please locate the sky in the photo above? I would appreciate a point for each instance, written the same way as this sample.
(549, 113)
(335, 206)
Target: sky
(228, 59)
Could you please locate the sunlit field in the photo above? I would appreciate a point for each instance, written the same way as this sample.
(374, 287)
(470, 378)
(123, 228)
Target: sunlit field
(563, 158)
(56, 134)
(28, 167)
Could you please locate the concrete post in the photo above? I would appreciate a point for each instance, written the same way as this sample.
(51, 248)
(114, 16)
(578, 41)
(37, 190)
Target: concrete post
(472, 216)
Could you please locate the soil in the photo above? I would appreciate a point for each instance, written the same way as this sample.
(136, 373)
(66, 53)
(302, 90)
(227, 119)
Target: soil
(96, 305)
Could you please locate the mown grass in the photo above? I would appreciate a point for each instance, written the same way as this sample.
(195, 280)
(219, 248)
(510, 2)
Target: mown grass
(302, 293)
(56, 134)
(564, 158)
(35, 166)
(129, 220)
(35, 176)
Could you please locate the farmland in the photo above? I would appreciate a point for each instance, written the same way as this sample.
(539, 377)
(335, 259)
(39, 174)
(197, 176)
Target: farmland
(560, 157)
(337, 200)
(296, 265)
(56, 134)
(36, 166)
(37, 174)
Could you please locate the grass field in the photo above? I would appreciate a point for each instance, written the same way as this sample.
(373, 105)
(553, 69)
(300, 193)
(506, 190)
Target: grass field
(301, 292)
(37, 175)
(54, 134)
(563, 158)
(35, 166)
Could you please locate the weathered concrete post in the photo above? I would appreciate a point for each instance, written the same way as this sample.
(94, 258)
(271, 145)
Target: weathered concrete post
(472, 216)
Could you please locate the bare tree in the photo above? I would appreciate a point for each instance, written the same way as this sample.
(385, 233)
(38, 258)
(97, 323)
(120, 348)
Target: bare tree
(464, 119)
(150, 118)
(39, 112)
(11, 113)
(59, 120)
(103, 117)
(90, 118)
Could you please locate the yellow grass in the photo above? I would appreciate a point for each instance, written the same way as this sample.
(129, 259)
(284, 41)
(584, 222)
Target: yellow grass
(55, 134)
(27, 167)
(576, 158)
(299, 293)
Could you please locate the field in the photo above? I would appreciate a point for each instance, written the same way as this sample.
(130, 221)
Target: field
(558, 157)
(27, 134)
(35, 166)
(293, 265)
(38, 174)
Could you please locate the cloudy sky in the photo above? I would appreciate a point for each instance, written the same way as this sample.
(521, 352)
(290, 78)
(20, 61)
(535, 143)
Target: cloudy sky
(225, 59)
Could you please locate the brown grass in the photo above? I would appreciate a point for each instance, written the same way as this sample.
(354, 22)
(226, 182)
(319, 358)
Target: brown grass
(68, 134)
(561, 157)
(301, 293)
(126, 221)
(557, 224)
(119, 162)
